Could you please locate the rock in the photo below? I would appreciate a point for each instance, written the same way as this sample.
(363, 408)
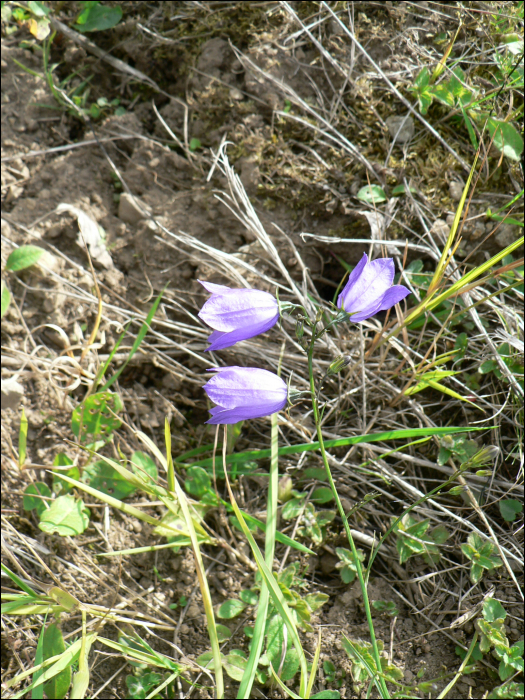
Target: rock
(455, 190)
(129, 211)
(12, 392)
(236, 94)
(506, 235)
(184, 629)
(328, 562)
(440, 230)
(401, 128)
(193, 612)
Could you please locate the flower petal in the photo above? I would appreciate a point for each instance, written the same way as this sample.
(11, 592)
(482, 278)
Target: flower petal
(220, 340)
(393, 296)
(246, 386)
(239, 308)
(369, 287)
(352, 279)
(214, 288)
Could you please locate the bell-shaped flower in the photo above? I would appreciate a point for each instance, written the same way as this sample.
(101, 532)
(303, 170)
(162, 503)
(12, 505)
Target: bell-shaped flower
(237, 314)
(242, 393)
(369, 289)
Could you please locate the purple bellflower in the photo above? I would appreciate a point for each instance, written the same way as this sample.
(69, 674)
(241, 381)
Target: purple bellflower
(369, 289)
(242, 393)
(237, 314)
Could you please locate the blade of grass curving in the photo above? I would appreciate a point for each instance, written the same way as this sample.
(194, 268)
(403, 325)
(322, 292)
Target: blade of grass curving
(18, 581)
(269, 551)
(138, 340)
(55, 665)
(38, 692)
(22, 440)
(81, 677)
(169, 459)
(254, 455)
(428, 304)
(476, 272)
(102, 371)
(286, 691)
(274, 590)
(125, 507)
(460, 670)
(464, 467)
(315, 663)
(203, 583)
(443, 261)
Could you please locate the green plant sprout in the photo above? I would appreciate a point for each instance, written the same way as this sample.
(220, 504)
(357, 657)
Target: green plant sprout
(481, 554)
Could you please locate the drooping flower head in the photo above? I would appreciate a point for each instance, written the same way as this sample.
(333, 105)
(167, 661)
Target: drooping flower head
(242, 393)
(369, 289)
(237, 314)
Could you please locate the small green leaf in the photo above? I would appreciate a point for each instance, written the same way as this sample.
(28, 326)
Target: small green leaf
(235, 664)
(493, 610)
(22, 439)
(230, 609)
(60, 486)
(25, 256)
(506, 138)
(66, 516)
(95, 416)
(97, 17)
(194, 144)
(101, 476)
(141, 462)
(249, 597)
(400, 189)
(373, 194)
(53, 645)
(509, 509)
(322, 495)
(223, 633)
(6, 299)
(31, 500)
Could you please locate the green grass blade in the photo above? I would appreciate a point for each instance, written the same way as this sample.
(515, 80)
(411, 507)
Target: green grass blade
(203, 583)
(22, 440)
(18, 581)
(138, 340)
(254, 455)
(274, 590)
(102, 371)
(269, 550)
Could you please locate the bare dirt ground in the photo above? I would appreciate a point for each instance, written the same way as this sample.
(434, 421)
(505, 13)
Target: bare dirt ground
(206, 59)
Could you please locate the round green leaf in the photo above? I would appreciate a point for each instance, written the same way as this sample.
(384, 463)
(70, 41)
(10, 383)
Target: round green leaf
(373, 194)
(6, 299)
(66, 516)
(509, 509)
(223, 633)
(94, 416)
(31, 500)
(101, 476)
(230, 609)
(97, 17)
(506, 138)
(141, 462)
(249, 597)
(23, 257)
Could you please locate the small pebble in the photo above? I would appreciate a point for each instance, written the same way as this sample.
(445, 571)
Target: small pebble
(184, 629)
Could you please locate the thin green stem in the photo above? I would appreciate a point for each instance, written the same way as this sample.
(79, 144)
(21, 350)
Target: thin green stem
(269, 550)
(377, 658)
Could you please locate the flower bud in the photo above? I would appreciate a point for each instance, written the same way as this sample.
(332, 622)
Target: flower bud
(338, 364)
(299, 329)
(284, 492)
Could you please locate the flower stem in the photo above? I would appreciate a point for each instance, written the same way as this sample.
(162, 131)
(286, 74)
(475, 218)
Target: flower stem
(366, 602)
